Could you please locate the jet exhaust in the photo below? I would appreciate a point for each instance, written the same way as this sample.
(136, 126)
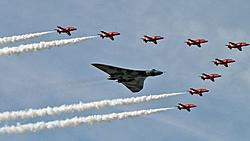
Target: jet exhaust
(7, 51)
(13, 39)
(32, 113)
(77, 121)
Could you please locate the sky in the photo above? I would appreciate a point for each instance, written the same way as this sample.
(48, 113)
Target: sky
(65, 75)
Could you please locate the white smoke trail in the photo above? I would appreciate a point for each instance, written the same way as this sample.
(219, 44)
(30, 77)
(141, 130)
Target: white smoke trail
(76, 121)
(13, 39)
(40, 46)
(31, 113)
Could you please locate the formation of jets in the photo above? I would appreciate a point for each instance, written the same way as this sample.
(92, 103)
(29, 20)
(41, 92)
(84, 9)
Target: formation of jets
(134, 79)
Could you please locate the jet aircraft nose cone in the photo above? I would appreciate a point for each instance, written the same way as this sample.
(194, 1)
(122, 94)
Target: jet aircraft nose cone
(154, 72)
(159, 72)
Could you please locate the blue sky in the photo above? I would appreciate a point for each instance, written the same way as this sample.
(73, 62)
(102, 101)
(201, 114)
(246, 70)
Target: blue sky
(64, 75)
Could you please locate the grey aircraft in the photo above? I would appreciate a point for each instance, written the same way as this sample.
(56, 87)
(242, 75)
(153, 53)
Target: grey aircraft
(132, 79)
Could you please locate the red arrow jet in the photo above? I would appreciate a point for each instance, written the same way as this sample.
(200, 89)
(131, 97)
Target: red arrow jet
(238, 45)
(211, 77)
(196, 42)
(185, 106)
(65, 30)
(109, 35)
(224, 62)
(200, 92)
(153, 39)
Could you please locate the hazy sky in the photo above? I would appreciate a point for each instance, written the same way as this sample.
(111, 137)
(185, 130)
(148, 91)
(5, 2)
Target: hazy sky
(65, 76)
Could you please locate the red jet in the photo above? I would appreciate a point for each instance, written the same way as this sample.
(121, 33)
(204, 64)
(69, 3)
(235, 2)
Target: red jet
(200, 92)
(210, 76)
(185, 106)
(65, 30)
(109, 35)
(196, 42)
(238, 45)
(224, 62)
(153, 39)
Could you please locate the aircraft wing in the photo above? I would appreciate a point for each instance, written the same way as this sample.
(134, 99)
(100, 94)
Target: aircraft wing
(108, 69)
(69, 33)
(240, 49)
(199, 45)
(155, 42)
(212, 79)
(135, 85)
(126, 73)
(112, 38)
(188, 110)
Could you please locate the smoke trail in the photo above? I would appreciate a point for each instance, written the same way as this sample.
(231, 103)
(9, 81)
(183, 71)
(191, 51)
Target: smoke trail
(77, 121)
(31, 113)
(39, 46)
(13, 39)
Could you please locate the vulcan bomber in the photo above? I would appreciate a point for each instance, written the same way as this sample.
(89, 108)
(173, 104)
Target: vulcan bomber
(132, 79)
